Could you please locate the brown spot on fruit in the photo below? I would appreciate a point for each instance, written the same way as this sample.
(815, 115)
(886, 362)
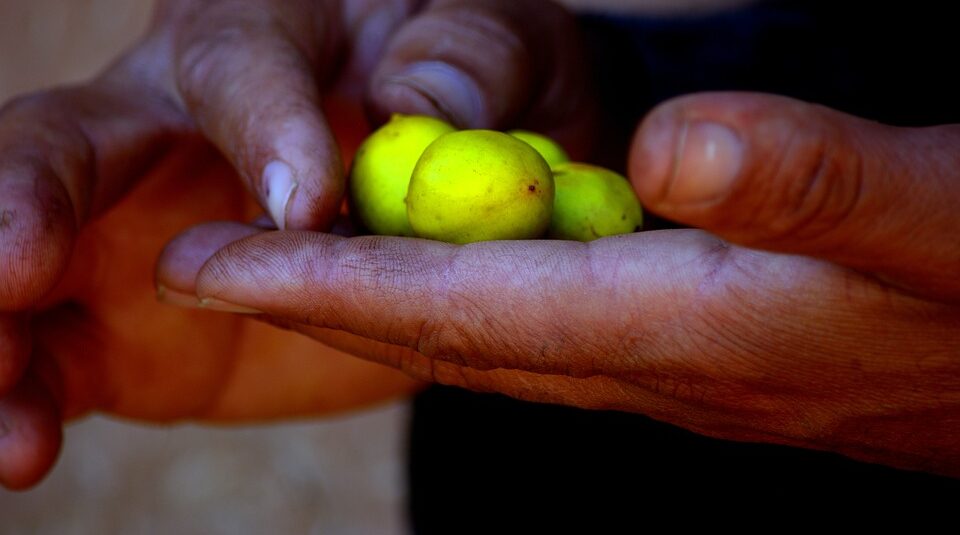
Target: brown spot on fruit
(531, 187)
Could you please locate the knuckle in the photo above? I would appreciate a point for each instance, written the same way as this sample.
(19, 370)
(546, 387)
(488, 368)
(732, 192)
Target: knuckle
(48, 126)
(455, 339)
(461, 330)
(460, 32)
(244, 78)
(28, 104)
(724, 313)
(49, 117)
(741, 336)
(819, 185)
(201, 65)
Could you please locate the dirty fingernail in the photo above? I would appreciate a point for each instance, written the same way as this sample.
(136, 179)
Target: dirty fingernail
(452, 92)
(219, 305)
(280, 185)
(176, 298)
(708, 160)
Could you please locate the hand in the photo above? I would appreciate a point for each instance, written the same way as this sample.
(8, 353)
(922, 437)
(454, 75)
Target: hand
(93, 179)
(843, 334)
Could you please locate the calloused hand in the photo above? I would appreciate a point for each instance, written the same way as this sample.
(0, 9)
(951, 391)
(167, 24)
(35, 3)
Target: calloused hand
(822, 310)
(94, 179)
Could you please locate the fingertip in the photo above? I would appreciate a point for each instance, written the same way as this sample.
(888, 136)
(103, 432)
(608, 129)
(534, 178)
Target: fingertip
(37, 229)
(651, 159)
(690, 152)
(434, 88)
(182, 259)
(301, 181)
(468, 63)
(265, 268)
(314, 204)
(227, 265)
(387, 98)
(258, 99)
(30, 435)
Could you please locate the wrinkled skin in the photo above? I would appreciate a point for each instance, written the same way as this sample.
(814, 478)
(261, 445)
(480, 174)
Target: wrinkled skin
(836, 329)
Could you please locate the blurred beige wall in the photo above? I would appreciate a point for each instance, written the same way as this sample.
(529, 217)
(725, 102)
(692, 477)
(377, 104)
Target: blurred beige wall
(44, 42)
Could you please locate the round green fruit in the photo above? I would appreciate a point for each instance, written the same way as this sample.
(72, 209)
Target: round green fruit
(592, 202)
(381, 171)
(476, 185)
(551, 151)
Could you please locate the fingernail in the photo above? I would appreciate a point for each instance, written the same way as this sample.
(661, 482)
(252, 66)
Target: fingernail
(212, 303)
(173, 297)
(708, 161)
(449, 89)
(280, 185)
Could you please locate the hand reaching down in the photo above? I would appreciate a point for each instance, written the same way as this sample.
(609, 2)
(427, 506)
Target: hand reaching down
(95, 178)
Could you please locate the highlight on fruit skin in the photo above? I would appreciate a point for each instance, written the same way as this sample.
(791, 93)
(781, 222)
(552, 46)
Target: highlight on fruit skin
(551, 151)
(478, 185)
(381, 171)
(592, 202)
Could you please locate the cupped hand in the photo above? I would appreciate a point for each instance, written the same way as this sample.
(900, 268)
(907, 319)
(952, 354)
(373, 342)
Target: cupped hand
(821, 310)
(93, 179)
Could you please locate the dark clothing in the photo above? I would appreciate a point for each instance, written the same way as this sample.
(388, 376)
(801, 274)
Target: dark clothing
(477, 461)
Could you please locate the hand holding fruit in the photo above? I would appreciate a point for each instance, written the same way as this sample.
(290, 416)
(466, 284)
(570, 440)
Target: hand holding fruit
(94, 178)
(851, 349)
(678, 324)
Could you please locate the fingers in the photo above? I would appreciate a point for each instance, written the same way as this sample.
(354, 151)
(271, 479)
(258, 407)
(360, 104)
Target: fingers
(245, 70)
(37, 228)
(67, 155)
(183, 257)
(489, 305)
(313, 379)
(30, 435)
(779, 174)
(489, 65)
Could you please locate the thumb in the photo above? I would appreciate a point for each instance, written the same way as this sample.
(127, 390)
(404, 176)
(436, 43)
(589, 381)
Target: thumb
(783, 175)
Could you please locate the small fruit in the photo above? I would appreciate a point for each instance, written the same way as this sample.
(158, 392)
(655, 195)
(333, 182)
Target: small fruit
(551, 151)
(476, 185)
(592, 202)
(382, 168)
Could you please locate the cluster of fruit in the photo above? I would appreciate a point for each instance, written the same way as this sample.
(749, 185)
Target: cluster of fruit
(419, 176)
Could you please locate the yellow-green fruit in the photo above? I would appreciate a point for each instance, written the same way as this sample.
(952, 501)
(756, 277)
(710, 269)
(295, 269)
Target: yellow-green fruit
(592, 202)
(381, 171)
(551, 151)
(476, 185)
